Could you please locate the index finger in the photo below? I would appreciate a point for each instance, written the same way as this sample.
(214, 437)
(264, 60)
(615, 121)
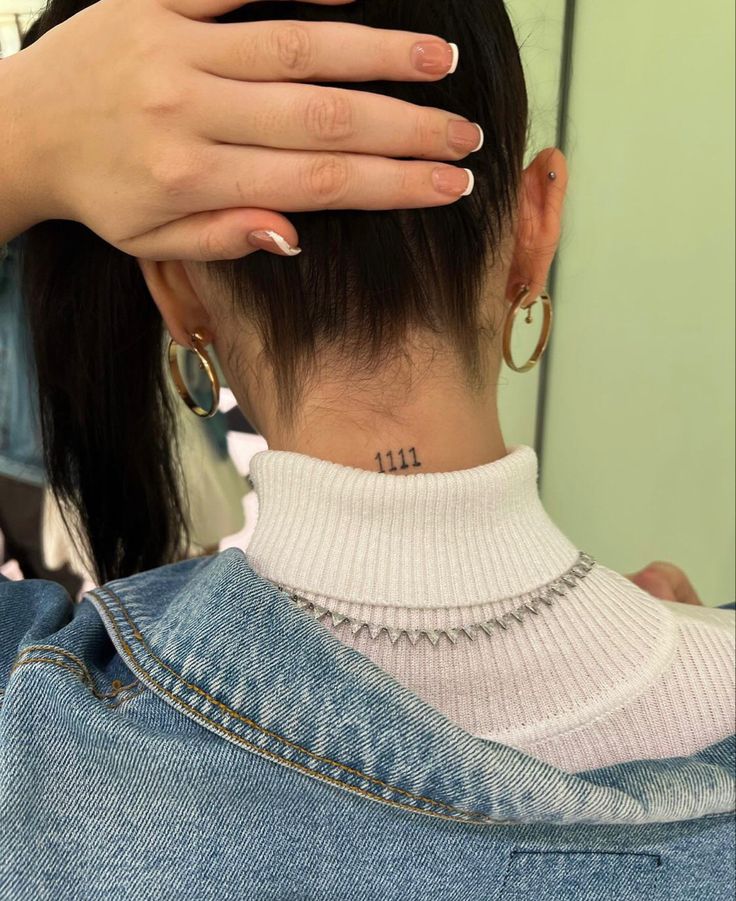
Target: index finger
(208, 9)
(319, 51)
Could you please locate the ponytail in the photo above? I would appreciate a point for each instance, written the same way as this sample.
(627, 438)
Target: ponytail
(105, 407)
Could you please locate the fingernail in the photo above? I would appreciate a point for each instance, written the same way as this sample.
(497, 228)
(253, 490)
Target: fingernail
(453, 181)
(467, 137)
(435, 57)
(455, 58)
(270, 240)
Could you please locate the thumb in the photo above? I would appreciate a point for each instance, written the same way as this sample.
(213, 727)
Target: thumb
(219, 235)
(654, 583)
(667, 582)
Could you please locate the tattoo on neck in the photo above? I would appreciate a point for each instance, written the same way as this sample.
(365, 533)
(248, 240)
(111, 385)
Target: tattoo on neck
(407, 459)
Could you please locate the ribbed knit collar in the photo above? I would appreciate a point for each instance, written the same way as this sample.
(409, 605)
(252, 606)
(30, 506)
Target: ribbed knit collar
(439, 540)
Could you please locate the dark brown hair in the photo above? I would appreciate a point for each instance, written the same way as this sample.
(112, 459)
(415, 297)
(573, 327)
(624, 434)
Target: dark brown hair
(363, 280)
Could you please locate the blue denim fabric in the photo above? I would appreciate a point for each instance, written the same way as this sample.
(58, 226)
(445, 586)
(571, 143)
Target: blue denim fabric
(21, 455)
(190, 733)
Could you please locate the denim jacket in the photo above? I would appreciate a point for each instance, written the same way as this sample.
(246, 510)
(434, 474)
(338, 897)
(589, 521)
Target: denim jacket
(21, 456)
(191, 733)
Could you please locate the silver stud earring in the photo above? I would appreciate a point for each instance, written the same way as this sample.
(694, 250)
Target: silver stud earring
(552, 176)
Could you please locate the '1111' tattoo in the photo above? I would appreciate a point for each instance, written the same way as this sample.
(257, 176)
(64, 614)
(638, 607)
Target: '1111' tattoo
(388, 458)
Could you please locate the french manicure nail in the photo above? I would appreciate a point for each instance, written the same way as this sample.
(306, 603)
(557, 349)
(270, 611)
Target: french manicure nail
(455, 58)
(453, 181)
(435, 57)
(270, 240)
(467, 137)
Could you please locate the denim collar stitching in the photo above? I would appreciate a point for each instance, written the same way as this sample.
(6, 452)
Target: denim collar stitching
(226, 648)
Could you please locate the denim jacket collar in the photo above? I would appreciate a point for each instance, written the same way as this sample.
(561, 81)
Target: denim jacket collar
(230, 651)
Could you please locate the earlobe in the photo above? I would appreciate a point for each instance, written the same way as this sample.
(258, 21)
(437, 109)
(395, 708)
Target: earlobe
(177, 300)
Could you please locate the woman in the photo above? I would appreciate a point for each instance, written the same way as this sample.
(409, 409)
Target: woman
(184, 188)
(530, 724)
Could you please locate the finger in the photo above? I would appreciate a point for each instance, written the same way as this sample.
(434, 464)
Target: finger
(654, 583)
(667, 582)
(292, 181)
(208, 9)
(303, 117)
(320, 51)
(222, 235)
(685, 592)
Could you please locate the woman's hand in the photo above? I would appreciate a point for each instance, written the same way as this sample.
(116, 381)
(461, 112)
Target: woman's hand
(666, 582)
(173, 136)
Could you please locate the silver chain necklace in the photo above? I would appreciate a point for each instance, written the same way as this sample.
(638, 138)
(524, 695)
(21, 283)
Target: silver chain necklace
(547, 596)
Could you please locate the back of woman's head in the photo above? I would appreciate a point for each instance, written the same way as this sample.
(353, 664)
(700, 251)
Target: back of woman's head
(362, 283)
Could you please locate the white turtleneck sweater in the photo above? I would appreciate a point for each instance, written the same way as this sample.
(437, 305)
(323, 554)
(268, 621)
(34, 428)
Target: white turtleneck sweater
(450, 583)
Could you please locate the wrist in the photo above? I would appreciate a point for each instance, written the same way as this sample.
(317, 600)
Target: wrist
(25, 198)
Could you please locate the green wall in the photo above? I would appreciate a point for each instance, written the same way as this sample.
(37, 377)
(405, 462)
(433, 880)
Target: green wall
(638, 459)
(538, 25)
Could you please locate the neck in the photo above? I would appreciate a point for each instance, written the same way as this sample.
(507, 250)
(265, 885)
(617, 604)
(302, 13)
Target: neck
(430, 421)
(432, 540)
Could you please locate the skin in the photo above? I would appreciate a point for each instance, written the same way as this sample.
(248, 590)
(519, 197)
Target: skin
(423, 401)
(667, 582)
(191, 132)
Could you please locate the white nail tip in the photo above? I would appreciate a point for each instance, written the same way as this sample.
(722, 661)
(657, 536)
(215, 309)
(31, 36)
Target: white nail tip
(283, 245)
(471, 184)
(455, 58)
(482, 139)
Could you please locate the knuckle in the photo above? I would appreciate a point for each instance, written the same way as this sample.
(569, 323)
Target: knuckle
(663, 568)
(163, 98)
(212, 245)
(327, 179)
(406, 183)
(328, 117)
(174, 173)
(293, 49)
(429, 132)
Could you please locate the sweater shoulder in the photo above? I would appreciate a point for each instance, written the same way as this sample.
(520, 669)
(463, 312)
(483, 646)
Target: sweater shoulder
(700, 678)
(705, 659)
(687, 708)
(691, 705)
(673, 703)
(712, 618)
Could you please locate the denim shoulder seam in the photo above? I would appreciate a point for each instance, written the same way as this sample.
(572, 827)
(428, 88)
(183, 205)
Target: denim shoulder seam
(66, 660)
(446, 811)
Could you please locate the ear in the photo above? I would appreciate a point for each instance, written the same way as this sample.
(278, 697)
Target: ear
(179, 303)
(541, 204)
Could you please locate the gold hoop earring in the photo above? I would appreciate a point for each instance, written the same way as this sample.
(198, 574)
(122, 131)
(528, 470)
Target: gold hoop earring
(508, 329)
(205, 363)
